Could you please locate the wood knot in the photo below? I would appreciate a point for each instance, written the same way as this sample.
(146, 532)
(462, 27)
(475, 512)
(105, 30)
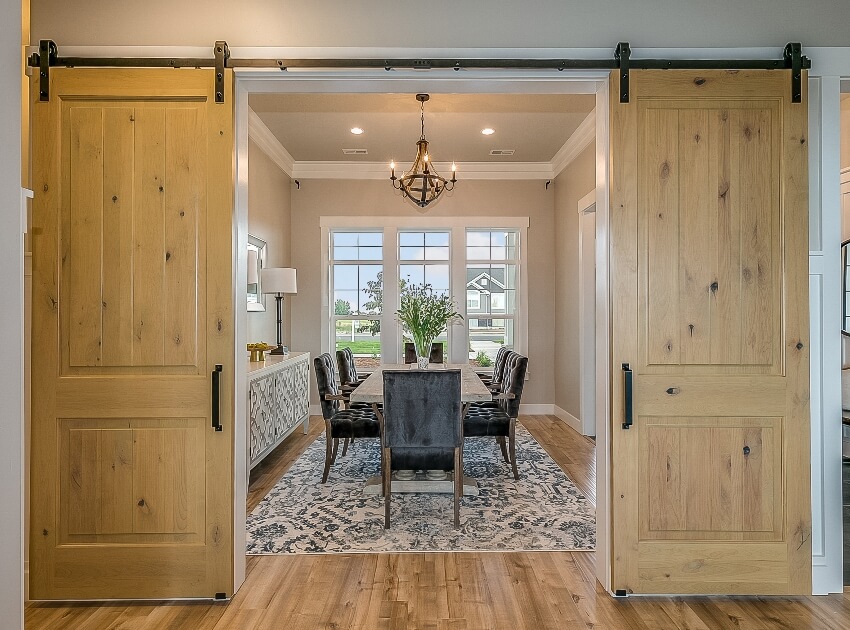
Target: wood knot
(167, 256)
(748, 133)
(724, 190)
(44, 532)
(691, 329)
(697, 138)
(141, 503)
(699, 81)
(802, 141)
(182, 213)
(746, 450)
(665, 170)
(799, 345)
(669, 346)
(714, 286)
(161, 189)
(747, 274)
(114, 198)
(219, 325)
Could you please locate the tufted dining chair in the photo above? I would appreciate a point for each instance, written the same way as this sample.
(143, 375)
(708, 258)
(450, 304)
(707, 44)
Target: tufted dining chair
(499, 420)
(340, 423)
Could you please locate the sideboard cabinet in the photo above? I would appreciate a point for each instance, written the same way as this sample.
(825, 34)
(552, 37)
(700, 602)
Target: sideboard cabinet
(278, 401)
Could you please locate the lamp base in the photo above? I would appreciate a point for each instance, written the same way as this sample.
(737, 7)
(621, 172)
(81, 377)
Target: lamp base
(278, 350)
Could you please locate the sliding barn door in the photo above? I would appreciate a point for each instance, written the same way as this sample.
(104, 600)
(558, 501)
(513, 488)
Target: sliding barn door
(132, 311)
(709, 264)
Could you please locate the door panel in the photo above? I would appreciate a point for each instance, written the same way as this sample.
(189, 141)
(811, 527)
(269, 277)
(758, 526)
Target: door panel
(710, 310)
(132, 487)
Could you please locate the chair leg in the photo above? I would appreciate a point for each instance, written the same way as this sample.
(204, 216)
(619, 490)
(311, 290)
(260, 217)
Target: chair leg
(345, 446)
(458, 483)
(512, 444)
(386, 479)
(336, 449)
(328, 452)
(503, 446)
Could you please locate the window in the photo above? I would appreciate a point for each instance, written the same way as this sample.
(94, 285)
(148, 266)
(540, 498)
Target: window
(371, 259)
(356, 287)
(492, 265)
(423, 258)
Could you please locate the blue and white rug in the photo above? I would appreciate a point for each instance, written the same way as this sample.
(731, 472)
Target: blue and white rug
(543, 511)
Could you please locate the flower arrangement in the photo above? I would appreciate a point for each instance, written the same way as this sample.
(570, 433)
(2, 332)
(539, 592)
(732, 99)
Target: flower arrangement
(424, 314)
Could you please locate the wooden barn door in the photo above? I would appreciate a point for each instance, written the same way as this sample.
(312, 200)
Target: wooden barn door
(132, 311)
(709, 290)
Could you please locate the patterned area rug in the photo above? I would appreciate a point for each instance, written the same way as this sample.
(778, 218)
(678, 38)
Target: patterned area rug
(543, 511)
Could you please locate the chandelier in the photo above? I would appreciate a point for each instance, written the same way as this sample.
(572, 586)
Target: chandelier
(422, 184)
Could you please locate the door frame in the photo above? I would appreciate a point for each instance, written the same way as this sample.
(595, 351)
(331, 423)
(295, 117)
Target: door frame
(586, 324)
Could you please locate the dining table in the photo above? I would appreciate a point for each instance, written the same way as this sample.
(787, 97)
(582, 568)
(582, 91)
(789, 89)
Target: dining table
(371, 391)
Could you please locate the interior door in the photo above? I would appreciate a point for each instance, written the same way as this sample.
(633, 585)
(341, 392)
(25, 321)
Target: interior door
(709, 291)
(132, 310)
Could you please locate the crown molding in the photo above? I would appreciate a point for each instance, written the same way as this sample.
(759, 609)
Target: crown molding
(584, 134)
(381, 170)
(268, 143)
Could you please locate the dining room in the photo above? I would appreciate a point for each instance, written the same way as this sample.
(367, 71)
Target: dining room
(486, 399)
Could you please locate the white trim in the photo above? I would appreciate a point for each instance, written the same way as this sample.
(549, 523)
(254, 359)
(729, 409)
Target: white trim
(268, 143)
(538, 409)
(587, 311)
(575, 144)
(825, 322)
(342, 222)
(381, 170)
(603, 333)
(569, 419)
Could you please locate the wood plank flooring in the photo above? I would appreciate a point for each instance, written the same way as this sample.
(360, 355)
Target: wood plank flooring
(443, 591)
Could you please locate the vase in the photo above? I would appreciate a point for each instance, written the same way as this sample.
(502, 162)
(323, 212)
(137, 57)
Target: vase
(422, 362)
(423, 352)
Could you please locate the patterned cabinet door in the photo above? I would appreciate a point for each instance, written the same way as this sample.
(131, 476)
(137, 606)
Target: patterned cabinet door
(284, 419)
(301, 391)
(262, 393)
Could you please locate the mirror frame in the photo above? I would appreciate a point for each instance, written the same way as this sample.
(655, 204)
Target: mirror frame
(845, 286)
(260, 303)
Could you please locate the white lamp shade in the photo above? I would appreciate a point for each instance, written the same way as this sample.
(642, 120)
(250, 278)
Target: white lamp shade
(279, 280)
(252, 266)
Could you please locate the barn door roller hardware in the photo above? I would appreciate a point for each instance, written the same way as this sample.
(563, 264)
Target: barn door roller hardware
(792, 59)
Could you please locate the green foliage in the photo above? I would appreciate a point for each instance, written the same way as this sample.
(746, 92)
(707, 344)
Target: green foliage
(424, 314)
(483, 360)
(341, 307)
(372, 348)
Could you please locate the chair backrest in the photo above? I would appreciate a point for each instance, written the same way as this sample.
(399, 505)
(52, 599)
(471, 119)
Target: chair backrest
(347, 369)
(436, 355)
(422, 408)
(327, 385)
(513, 382)
(499, 364)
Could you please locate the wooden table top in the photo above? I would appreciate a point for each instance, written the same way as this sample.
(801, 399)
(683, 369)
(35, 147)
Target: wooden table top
(471, 387)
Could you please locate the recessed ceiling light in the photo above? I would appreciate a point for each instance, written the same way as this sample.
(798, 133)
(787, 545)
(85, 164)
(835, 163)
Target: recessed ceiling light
(487, 131)
(356, 131)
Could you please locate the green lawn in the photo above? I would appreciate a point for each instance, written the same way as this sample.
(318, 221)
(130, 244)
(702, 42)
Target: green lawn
(360, 347)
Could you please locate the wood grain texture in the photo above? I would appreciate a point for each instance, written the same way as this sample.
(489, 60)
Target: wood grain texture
(131, 491)
(708, 255)
(443, 590)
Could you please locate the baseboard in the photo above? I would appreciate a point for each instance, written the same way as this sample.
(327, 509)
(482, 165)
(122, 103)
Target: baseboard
(316, 410)
(536, 410)
(573, 422)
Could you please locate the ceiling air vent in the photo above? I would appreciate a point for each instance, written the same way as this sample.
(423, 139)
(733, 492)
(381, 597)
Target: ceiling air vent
(502, 151)
(355, 151)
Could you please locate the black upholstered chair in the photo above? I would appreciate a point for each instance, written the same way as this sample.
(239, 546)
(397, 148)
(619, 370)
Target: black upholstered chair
(500, 421)
(422, 427)
(340, 423)
(436, 355)
(488, 378)
(349, 380)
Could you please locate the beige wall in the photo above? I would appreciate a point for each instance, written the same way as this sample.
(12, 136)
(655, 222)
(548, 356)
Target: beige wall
(574, 182)
(513, 198)
(845, 131)
(269, 205)
(371, 23)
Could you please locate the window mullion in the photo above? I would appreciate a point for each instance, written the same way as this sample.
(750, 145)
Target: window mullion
(390, 330)
(459, 333)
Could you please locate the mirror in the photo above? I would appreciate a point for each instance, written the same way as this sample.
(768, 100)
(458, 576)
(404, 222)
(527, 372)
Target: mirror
(256, 261)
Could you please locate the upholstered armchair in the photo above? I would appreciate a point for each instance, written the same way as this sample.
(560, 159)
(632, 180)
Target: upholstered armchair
(488, 378)
(422, 427)
(499, 421)
(340, 423)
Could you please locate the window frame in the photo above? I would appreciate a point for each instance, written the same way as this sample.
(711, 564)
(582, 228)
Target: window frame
(391, 336)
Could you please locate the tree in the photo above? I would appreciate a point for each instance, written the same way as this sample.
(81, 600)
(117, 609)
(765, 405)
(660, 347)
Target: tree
(341, 307)
(375, 290)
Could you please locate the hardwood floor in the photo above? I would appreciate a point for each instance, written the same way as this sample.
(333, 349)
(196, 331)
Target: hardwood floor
(444, 591)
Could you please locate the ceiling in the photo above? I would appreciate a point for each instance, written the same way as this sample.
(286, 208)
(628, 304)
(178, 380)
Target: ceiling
(316, 127)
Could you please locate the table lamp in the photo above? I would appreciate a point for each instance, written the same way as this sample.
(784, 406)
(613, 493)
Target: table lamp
(278, 281)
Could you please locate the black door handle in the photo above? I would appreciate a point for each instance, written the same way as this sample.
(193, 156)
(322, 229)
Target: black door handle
(627, 395)
(216, 418)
